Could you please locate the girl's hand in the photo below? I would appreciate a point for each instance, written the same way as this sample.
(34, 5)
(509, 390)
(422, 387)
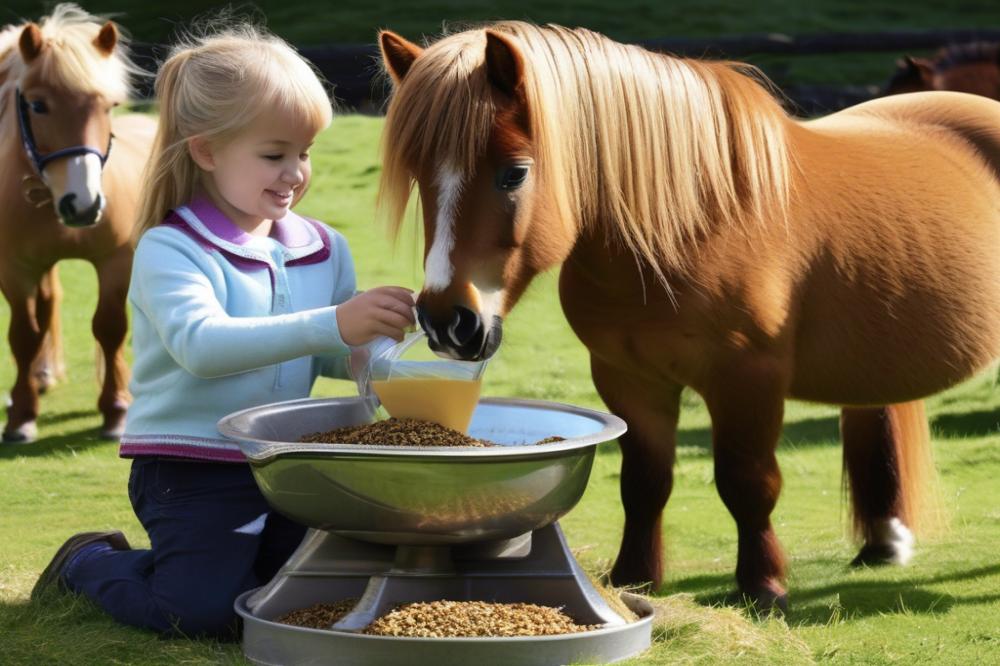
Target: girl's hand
(380, 311)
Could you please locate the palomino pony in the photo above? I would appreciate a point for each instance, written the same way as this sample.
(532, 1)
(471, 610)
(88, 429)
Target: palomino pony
(973, 67)
(65, 191)
(707, 240)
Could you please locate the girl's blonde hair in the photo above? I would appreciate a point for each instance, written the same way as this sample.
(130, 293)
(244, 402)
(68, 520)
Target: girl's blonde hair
(214, 87)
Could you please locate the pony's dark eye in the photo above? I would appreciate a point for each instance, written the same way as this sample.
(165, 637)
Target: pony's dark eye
(39, 106)
(511, 178)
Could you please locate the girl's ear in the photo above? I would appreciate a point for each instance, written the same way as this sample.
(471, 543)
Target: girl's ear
(201, 152)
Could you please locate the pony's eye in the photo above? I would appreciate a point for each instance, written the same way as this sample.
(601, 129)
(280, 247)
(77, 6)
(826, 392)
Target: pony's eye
(39, 106)
(512, 178)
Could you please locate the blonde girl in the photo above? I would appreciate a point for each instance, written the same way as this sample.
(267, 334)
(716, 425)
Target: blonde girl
(236, 301)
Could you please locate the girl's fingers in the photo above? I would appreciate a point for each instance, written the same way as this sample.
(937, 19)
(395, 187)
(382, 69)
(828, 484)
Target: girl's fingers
(402, 294)
(399, 308)
(387, 330)
(392, 318)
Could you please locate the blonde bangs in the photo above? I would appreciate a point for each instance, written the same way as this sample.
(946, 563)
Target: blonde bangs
(285, 82)
(662, 148)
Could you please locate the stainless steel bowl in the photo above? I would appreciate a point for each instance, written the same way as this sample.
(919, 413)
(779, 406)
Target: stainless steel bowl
(423, 495)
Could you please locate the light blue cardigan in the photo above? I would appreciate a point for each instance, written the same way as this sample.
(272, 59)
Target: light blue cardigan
(222, 321)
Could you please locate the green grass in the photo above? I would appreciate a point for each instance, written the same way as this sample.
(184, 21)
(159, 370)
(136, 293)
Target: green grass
(944, 608)
(356, 21)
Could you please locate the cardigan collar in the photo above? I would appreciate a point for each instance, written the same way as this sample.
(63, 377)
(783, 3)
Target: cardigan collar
(302, 239)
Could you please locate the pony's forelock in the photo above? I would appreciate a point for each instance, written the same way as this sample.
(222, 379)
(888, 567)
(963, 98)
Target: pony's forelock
(659, 147)
(69, 58)
(446, 82)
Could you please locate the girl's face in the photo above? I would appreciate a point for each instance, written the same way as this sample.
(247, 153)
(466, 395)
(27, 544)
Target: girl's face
(256, 176)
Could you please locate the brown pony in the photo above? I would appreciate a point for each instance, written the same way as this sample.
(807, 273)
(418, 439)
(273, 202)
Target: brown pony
(707, 240)
(64, 192)
(972, 68)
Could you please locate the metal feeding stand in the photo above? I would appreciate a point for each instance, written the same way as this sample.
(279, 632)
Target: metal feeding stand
(396, 525)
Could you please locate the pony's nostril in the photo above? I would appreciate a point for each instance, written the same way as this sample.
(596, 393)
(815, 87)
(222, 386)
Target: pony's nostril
(83, 218)
(424, 322)
(67, 209)
(464, 326)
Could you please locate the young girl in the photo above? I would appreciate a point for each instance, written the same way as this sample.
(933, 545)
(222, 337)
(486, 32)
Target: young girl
(236, 301)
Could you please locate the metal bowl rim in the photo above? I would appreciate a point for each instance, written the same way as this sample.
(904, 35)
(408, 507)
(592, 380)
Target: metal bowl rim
(261, 450)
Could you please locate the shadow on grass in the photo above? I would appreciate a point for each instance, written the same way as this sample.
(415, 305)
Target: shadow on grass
(68, 628)
(823, 431)
(46, 419)
(970, 424)
(54, 445)
(855, 599)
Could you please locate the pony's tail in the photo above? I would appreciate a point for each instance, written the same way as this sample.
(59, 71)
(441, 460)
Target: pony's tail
(889, 469)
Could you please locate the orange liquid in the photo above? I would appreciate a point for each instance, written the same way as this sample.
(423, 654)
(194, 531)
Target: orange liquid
(449, 402)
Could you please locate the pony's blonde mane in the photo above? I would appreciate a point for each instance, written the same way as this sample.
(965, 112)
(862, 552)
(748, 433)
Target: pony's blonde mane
(69, 59)
(662, 148)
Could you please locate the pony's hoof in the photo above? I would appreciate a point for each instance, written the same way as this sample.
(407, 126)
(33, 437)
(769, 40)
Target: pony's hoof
(635, 582)
(45, 379)
(893, 545)
(114, 421)
(112, 435)
(767, 600)
(26, 432)
(113, 431)
(874, 555)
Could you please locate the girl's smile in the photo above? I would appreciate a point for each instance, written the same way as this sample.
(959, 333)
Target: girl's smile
(256, 176)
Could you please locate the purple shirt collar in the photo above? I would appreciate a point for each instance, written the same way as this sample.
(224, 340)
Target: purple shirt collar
(291, 231)
(302, 239)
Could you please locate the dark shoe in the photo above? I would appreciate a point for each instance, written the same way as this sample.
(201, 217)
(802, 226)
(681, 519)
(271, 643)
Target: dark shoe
(53, 573)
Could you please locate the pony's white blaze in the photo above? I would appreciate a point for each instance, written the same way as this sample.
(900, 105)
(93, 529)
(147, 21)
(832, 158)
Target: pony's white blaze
(438, 270)
(83, 178)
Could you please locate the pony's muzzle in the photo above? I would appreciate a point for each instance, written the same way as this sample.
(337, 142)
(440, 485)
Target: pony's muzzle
(72, 217)
(461, 336)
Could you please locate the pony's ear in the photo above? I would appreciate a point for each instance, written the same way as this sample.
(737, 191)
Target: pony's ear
(504, 64)
(106, 38)
(398, 54)
(31, 42)
(921, 66)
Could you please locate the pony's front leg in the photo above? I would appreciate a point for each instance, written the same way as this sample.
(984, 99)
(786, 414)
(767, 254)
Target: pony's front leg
(25, 339)
(110, 326)
(648, 448)
(747, 407)
(49, 367)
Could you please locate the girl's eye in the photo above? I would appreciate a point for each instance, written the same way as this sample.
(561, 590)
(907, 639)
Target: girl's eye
(304, 156)
(511, 178)
(39, 106)
(273, 158)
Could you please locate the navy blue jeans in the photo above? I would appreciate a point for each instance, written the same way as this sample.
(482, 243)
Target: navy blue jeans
(213, 536)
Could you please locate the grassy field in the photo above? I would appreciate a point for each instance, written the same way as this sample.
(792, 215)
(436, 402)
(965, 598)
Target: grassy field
(355, 21)
(944, 608)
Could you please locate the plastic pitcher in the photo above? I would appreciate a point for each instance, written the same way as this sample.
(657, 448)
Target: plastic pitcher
(439, 390)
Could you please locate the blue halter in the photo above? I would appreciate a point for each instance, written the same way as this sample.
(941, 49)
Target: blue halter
(38, 160)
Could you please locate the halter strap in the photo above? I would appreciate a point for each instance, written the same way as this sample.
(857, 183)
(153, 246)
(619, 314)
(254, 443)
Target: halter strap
(38, 160)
